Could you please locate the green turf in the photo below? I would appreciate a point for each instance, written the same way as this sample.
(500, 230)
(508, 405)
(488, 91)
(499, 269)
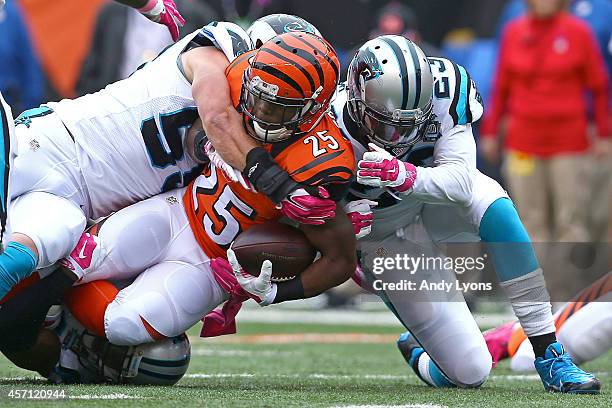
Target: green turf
(308, 374)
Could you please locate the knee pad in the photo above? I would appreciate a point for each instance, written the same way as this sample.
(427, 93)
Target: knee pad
(124, 326)
(474, 367)
(52, 222)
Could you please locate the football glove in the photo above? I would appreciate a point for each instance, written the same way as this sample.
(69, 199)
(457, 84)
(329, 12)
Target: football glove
(360, 214)
(308, 205)
(164, 12)
(259, 287)
(378, 168)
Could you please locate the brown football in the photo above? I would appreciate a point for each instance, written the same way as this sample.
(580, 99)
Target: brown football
(285, 246)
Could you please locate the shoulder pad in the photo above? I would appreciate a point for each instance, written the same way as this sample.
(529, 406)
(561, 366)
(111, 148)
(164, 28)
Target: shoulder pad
(228, 37)
(456, 98)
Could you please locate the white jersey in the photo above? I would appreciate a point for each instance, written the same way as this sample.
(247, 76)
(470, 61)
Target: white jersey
(130, 136)
(446, 157)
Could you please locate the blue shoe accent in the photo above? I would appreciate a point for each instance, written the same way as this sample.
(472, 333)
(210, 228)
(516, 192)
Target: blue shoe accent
(559, 373)
(411, 351)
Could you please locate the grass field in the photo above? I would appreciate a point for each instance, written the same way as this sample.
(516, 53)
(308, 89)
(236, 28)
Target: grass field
(332, 366)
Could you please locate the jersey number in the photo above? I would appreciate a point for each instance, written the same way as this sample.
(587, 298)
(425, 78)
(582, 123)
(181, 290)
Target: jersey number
(222, 226)
(332, 144)
(442, 86)
(162, 156)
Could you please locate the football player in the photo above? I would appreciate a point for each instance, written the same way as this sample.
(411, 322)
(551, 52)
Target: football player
(85, 158)
(438, 106)
(167, 242)
(584, 326)
(444, 104)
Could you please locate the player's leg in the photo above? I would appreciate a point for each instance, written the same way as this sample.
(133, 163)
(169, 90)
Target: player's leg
(47, 200)
(584, 326)
(445, 347)
(164, 301)
(514, 259)
(127, 243)
(523, 282)
(167, 298)
(51, 224)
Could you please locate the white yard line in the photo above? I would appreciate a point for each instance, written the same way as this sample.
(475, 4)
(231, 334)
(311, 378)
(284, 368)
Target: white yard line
(392, 406)
(343, 317)
(114, 396)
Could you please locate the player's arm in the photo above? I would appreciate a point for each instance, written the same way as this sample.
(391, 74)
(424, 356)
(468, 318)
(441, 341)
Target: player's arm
(205, 68)
(452, 178)
(159, 11)
(335, 240)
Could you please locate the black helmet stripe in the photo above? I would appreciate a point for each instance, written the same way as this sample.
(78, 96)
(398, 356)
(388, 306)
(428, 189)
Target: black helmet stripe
(403, 69)
(280, 75)
(308, 57)
(305, 55)
(323, 53)
(417, 68)
(298, 66)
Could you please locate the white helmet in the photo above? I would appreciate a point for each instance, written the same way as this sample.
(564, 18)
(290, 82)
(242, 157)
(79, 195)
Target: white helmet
(390, 89)
(268, 27)
(86, 358)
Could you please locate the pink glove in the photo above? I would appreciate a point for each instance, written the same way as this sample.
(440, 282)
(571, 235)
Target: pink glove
(309, 209)
(360, 279)
(360, 214)
(164, 12)
(378, 168)
(223, 321)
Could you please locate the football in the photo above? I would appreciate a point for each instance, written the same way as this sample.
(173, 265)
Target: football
(285, 246)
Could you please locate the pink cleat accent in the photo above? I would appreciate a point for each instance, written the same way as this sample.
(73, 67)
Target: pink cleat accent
(497, 341)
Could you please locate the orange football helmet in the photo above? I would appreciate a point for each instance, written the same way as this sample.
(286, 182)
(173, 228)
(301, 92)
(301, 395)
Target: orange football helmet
(288, 86)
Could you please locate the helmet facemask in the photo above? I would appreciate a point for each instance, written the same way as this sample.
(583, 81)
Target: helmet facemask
(269, 117)
(399, 129)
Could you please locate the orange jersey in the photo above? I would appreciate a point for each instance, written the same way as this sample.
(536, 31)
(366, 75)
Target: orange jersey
(219, 209)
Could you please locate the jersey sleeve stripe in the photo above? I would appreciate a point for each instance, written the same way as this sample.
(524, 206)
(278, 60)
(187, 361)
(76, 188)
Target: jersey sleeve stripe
(453, 106)
(316, 162)
(462, 105)
(468, 110)
(337, 174)
(403, 69)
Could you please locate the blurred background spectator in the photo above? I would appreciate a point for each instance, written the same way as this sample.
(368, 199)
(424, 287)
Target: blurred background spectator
(123, 40)
(21, 78)
(547, 60)
(398, 19)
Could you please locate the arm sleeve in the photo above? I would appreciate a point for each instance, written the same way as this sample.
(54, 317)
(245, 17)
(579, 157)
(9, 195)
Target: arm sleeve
(598, 83)
(499, 90)
(451, 180)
